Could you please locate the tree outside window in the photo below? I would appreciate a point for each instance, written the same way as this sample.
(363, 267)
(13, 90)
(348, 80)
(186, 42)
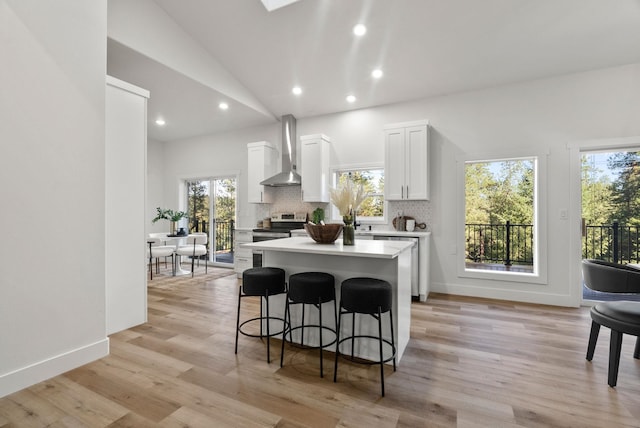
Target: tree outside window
(499, 212)
(372, 180)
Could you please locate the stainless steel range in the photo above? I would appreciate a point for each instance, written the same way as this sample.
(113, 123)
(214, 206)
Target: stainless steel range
(281, 225)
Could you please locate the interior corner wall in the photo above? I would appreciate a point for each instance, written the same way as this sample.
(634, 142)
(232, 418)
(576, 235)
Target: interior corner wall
(52, 182)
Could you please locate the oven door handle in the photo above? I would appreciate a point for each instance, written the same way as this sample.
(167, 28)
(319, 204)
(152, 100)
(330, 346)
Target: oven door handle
(265, 236)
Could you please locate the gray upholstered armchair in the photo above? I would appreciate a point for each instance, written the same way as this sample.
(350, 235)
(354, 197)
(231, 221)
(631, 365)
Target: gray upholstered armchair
(620, 316)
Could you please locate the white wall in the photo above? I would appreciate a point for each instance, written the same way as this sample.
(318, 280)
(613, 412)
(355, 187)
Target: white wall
(52, 287)
(155, 185)
(223, 154)
(538, 115)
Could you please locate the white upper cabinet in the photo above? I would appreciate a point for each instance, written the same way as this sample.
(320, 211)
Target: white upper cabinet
(406, 172)
(315, 172)
(262, 164)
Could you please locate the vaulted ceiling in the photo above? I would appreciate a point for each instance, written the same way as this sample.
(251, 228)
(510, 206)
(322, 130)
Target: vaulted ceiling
(194, 54)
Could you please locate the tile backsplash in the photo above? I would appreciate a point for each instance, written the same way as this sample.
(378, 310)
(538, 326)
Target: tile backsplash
(420, 210)
(289, 199)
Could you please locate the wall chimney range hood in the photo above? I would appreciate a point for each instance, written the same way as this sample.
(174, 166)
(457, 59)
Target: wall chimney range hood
(288, 176)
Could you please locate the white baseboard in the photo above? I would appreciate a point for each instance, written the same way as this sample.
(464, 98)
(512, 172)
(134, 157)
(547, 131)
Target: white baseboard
(43, 370)
(503, 294)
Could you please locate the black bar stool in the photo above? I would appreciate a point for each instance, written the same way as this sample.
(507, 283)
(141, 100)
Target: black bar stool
(263, 282)
(368, 296)
(310, 288)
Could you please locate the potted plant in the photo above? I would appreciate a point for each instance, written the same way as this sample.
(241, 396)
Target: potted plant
(173, 216)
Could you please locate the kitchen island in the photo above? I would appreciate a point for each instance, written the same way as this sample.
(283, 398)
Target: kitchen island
(387, 260)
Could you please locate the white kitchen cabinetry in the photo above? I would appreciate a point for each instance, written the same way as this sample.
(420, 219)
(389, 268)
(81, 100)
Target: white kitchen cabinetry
(406, 173)
(242, 257)
(262, 163)
(424, 238)
(125, 196)
(315, 167)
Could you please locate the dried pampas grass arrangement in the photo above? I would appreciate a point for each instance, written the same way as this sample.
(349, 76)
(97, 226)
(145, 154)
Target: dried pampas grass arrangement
(348, 197)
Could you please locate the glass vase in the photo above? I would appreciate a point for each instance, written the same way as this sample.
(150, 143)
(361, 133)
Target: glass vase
(348, 233)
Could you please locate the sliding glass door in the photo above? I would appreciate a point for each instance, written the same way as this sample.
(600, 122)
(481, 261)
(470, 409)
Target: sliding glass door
(211, 204)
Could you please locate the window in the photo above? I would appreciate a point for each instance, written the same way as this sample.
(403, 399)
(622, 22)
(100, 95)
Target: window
(501, 228)
(211, 204)
(372, 179)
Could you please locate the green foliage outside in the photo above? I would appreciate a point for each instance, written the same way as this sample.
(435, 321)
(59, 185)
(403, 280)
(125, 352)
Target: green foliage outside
(373, 184)
(497, 193)
(611, 194)
(198, 202)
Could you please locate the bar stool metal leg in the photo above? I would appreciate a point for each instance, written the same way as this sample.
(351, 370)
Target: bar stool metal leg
(393, 342)
(314, 289)
(287, 317)
(367, 296)
(380, 344)
(320, 335)
(238, 318)
(335, 365)
(268, 335)
(261, 283)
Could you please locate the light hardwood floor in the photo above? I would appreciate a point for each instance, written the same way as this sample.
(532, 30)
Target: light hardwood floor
(470, 363)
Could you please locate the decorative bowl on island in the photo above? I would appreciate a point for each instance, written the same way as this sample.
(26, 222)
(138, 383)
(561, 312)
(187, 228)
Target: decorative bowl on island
(323, 233)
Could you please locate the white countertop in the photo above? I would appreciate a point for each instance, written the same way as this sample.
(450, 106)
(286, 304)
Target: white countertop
(362, 248)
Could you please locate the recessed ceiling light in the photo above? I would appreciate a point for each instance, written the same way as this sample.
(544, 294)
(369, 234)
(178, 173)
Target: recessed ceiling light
(351, 98)
(359, 30)
(297, 90)
(223, 106)
(377, 73)
(160, 122)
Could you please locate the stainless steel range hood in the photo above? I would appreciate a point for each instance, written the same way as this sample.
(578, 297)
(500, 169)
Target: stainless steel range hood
(288, 176)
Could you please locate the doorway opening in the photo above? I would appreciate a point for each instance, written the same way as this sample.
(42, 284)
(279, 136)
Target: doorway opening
(211, 204)
(610, 211)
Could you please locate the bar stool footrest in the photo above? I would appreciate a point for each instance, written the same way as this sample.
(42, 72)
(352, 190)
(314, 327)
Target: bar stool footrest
(299, 345)
(347, 355)
(261, 319)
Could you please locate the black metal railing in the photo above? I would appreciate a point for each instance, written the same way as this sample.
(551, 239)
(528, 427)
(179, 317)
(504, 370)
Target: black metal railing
(611, 242)
(513, 243)
(499, 243)
(224, 235)
(224, 232)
